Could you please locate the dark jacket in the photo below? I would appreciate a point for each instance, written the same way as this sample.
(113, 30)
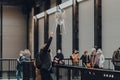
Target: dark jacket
(45, 57)
(116, 58)
(20, 63)
(85, 59)
(59, 56)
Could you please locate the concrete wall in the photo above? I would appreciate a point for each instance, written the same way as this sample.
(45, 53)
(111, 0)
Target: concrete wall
(52, 28)
(41, 32)
(67, 34)
(86, 26)
(14, 31)
(110, 26)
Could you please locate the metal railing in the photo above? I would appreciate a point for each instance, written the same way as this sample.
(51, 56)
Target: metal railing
(107, 64)
(8, 69)
(64, 72)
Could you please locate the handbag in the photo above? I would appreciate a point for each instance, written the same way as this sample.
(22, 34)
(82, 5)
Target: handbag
(88, 65)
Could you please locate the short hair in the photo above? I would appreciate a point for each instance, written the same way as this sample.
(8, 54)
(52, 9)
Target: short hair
(86, 51)
(93, 49)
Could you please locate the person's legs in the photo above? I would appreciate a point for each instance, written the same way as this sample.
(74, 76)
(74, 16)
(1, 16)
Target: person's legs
(21, 73)
(75, 72)
(49, 76)
(45, 75)
(18, 75)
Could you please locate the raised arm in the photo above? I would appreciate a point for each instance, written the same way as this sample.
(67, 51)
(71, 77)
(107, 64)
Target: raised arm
(49, 41)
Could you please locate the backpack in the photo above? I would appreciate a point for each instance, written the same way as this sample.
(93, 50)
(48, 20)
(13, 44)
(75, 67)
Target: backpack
(38, 60)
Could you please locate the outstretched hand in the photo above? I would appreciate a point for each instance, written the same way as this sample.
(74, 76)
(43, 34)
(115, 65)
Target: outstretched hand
(51, 34)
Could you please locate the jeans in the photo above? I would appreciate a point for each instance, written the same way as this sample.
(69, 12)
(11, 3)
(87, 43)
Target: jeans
(19, 75)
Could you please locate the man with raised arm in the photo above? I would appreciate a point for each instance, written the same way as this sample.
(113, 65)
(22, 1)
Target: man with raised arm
(46, 63)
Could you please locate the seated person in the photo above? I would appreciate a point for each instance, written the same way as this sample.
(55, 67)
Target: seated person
(58, 59)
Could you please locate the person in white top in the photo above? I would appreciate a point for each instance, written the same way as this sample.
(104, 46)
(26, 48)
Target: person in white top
(101, 58)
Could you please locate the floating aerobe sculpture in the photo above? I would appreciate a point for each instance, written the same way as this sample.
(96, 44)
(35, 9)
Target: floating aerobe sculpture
(60, 20)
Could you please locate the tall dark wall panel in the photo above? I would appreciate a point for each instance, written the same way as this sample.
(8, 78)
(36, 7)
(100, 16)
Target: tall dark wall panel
(46, 28)
(36, 36)
(0, 30)
(97, 24)
(75, 25)
(58, 38)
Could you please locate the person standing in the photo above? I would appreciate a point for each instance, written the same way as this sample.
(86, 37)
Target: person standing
(92, 57)
(45, 58)
(101, 58)
(116, 59)
(85, 59)
(27, 54)
(75, 58)
(75, 62)
(96, 60)
(20, 60)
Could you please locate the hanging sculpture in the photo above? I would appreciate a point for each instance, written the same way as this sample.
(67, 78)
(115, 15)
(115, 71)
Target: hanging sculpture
(59, 20)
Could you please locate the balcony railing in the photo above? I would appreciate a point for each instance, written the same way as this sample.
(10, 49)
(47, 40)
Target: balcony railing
(63, 72)
(8, 68)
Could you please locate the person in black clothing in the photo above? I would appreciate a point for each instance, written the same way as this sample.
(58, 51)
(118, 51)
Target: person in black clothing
(85, 59)
(46, 63)
(58, 59)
